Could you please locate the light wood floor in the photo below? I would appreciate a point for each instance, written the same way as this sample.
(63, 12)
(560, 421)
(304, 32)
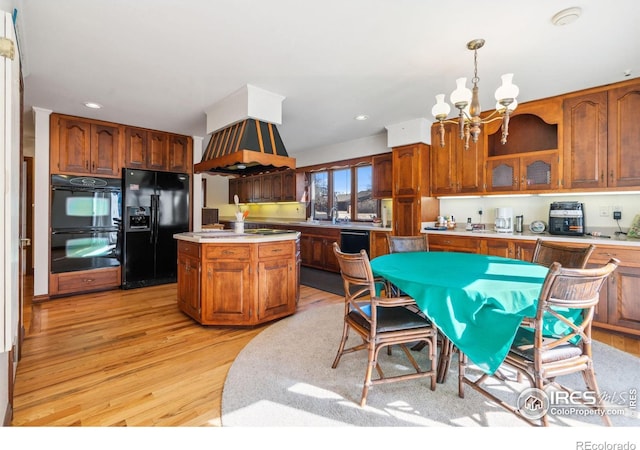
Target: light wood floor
(131, 358)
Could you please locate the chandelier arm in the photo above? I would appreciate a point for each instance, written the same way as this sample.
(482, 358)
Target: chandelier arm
(505, 127)
(442, 134)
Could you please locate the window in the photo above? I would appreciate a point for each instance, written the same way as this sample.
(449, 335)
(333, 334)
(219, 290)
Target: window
(348, 189)
(320, 195)
(366, 206)
(342, 193)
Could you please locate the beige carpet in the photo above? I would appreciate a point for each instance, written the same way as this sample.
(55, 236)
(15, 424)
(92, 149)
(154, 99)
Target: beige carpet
(284, 378)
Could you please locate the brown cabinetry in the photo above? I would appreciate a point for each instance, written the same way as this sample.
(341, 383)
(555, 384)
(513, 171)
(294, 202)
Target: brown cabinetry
(534, 172)
(601, 138)
(530, 160)
(619, 307)
(379, 245)
(507, 248)
(84, 281)
(382, 180)
(189, 278)
(83, 147)
(316, 247)
(284, 186)
(237, 284)
(156, 150)
(412, 204)
(180, 154)
(448, 243)
(455, 170)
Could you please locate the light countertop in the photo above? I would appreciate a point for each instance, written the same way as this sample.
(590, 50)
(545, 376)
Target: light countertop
(315, 223)
(528, 235)
(231, 237)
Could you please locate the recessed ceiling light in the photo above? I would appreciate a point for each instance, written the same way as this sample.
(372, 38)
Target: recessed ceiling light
(361, 117)
(566, 16)
(92, 105)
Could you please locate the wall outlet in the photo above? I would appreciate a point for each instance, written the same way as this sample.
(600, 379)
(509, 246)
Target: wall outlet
(604, 211)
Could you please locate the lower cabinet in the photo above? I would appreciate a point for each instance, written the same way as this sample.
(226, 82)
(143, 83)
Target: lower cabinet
(316, 247)
(84, 281)
(378, 244)
(619, 306)
(237, 284)
(507, 248)
(448, 243)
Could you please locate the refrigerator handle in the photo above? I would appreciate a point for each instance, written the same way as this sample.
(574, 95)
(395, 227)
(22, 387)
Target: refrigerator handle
(152, 218)
(156, 214)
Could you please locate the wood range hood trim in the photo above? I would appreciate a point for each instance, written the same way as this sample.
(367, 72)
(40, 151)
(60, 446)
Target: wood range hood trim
(245, 148)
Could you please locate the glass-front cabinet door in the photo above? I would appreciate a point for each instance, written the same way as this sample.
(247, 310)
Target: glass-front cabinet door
(503, 174)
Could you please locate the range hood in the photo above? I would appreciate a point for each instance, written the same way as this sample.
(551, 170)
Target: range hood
(245, 148)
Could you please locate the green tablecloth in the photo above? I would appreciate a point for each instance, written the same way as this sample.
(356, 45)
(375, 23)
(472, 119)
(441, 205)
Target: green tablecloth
(477, 301)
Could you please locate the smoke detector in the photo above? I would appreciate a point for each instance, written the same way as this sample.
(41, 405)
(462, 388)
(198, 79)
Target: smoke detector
(566, 16)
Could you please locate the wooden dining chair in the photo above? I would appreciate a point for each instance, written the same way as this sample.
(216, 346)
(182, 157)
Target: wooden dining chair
(568, 255)
(398, 244)
(402, 244)
(380, 322)
(541, 357)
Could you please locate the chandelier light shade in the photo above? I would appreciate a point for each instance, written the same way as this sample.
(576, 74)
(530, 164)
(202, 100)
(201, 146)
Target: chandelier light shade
(467, 103)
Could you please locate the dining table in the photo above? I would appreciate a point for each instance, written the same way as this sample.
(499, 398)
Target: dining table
(476, 301)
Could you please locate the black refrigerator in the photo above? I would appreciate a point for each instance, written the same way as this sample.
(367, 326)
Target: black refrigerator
(155, 207)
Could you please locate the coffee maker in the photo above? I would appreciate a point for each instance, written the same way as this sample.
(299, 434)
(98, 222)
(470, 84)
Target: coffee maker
(504, 220)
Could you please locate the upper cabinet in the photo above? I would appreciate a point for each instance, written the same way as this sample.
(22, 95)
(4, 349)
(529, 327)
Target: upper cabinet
(412, 203)
(382, 168)
(156, 150)
(454, 169)
(81, 147)
(282, 186)
(530, 159)
(180, 156)
(602, 137)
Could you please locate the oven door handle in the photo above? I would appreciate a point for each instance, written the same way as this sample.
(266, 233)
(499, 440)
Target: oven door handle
(86, 231)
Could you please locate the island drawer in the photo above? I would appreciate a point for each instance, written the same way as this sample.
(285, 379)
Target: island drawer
(189, 248)
(275, 249)
(227, 251)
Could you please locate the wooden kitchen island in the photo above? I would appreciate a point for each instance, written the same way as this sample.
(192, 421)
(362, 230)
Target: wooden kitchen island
(243, 279)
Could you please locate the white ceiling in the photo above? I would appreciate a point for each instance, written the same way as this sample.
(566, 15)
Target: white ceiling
(161, 63)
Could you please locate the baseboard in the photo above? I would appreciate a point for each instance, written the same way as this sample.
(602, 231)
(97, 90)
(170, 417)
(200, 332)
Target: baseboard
(41, 298)
(8, 416)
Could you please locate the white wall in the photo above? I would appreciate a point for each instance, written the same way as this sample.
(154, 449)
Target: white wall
(41, 200)
(371, 145)
(10, 166)
(537, 208)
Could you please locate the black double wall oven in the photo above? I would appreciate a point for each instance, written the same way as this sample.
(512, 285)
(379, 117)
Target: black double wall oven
(85, 223)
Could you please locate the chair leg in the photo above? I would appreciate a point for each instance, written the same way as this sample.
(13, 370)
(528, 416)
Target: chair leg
(462, 366)
(590, 380)
(343, 341)
(367, 377)
(445, 359)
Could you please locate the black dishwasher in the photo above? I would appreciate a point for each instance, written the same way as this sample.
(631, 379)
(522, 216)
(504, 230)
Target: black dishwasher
(352, 241)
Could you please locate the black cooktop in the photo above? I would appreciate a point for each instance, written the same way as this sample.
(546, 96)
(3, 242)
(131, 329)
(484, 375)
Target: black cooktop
(268, 231)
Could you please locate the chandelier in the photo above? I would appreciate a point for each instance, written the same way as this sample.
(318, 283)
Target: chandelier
(468, 104)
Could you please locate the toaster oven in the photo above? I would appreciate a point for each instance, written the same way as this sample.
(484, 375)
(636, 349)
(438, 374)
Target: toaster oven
(566, 218)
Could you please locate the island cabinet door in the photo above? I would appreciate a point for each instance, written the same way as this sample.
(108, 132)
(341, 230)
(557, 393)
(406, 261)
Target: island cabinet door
(276, 288)
(189, 285)
(226, 293)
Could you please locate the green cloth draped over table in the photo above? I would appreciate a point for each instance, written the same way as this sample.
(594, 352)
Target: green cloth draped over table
(477, 301)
